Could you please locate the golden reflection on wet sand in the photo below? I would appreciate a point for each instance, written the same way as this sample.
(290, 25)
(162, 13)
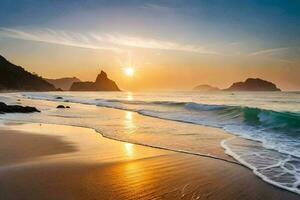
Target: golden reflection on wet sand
(129, 149)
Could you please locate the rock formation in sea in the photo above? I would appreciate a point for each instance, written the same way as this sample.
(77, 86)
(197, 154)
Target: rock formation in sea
(13, 77)
(16, 109)
(102, 83)
(206, 88)
(63, 83)
(253, 84)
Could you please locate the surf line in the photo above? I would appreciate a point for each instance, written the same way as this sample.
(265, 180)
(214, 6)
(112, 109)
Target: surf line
(175, 150)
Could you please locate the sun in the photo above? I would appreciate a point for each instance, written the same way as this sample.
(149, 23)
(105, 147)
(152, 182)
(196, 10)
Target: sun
(129, 71)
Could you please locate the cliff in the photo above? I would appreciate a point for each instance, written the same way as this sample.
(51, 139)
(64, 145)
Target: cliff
(102, 83)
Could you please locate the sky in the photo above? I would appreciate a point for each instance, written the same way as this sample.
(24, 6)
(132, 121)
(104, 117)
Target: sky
(171, 44)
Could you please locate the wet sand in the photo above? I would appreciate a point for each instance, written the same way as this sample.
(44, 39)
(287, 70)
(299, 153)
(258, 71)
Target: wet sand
(20, 146)
(78, 163)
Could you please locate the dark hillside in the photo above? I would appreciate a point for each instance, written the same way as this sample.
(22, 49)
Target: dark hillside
(13, 77)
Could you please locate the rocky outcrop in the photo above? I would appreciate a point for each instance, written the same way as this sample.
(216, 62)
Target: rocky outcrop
(102, 83)
(14, 77)
(63, 83)
(16, 109)
(62, 106)
(206, 88)
(253, 84)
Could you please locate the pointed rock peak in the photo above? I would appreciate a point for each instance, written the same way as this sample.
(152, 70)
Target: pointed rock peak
(102, 83)
(101, 76)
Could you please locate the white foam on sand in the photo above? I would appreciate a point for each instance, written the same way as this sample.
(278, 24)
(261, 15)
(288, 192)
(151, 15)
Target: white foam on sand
(281, 170)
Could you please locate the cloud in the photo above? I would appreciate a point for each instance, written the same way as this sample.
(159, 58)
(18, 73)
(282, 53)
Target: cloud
(269, 51)
(149, 43)
(102, 41)
(54, 37)
(282, 54)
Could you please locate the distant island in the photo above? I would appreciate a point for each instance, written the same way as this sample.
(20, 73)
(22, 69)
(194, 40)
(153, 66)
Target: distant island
(13, 77)
(63, 83)
(253, 84)
(206, 88)
(102, 83)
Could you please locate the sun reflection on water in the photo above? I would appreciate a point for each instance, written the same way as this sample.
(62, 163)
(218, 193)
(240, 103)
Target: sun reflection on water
(129, 96)
(129, 122)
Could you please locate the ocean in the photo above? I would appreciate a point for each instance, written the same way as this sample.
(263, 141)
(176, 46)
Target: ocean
(269, 122)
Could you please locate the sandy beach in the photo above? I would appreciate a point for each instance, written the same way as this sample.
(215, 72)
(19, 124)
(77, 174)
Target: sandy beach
(41, 161)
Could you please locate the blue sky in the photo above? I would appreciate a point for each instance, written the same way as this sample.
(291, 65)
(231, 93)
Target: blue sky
(254, 16)
(273, 22)
(256, 28)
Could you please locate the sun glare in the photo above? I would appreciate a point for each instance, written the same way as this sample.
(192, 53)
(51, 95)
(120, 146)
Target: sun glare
(129, 71)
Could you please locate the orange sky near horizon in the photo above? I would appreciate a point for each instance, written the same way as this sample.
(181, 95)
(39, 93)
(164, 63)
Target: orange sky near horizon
(154, 69)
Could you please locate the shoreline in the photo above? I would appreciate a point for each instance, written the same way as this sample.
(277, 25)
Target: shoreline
(211, 135)
(153, 173)
(150, 146)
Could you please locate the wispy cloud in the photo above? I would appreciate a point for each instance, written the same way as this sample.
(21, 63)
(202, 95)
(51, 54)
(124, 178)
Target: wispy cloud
(102, 41)
(269, 51)
(282, 54)
(55, 37)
